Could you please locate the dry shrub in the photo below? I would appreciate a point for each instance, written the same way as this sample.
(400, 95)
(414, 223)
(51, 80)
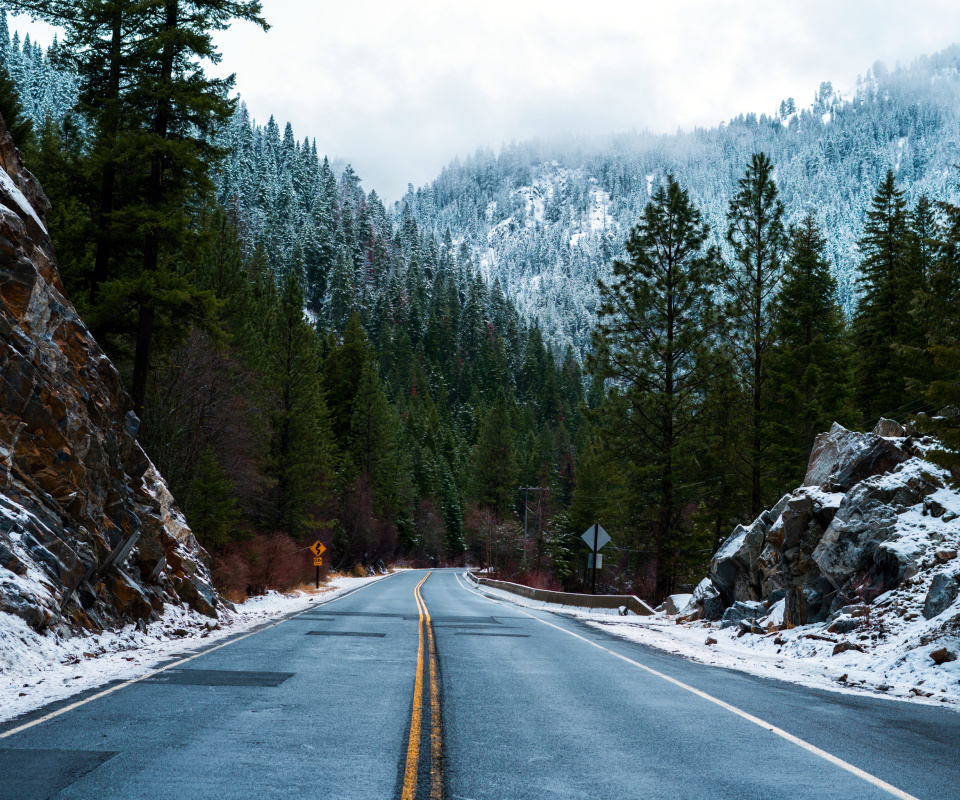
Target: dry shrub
(542, 580)
(231, 575)
(234, 596)
(276, 562)
(359, 571)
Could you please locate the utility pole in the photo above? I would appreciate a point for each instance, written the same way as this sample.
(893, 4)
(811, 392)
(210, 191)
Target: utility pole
(526, 507)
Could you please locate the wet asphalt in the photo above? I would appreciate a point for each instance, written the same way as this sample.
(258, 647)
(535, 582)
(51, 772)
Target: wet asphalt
(319, 706)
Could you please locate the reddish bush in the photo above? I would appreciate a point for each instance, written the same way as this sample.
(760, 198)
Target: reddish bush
(230, 573)
(276, 561)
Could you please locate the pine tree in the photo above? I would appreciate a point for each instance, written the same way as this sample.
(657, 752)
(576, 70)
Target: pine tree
(881, 322)
(657, 322)
(373, 435)
(935, 308)
(211, 504)
(495, 470)
(300, 450)
(18, 124)
(342, 370)
(758, 240)
(808, 364)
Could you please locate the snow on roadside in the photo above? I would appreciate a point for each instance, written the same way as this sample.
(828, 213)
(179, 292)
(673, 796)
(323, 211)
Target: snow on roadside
(788, 655)
(39, 669)
(804, 655)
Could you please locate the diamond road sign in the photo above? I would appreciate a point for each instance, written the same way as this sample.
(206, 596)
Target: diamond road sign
(318, 548)
(602, 536)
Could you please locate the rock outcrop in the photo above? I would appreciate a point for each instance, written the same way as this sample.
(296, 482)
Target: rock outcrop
(89, 534)
(836, 540)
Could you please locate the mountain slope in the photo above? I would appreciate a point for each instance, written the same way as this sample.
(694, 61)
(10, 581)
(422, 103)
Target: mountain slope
(546, 218)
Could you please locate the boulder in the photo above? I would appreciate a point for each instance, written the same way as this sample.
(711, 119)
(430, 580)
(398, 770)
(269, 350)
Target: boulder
(863, 522)
(840, 459)
(675, 603)
(705, 603)
(843, 625)
(896, 561)
(943, 656)
(844, 647)
(737, 558)
(889, 429)
(741, 611)
(942, 594)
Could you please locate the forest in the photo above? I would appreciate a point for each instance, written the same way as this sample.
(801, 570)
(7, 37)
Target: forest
(309, 363)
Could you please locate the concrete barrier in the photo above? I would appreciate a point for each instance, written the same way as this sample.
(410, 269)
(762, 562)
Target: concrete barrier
(633, 603)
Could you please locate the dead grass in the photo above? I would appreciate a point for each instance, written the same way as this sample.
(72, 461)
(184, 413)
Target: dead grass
(235, 596)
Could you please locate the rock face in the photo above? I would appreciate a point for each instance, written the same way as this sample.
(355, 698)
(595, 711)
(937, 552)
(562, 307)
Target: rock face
(943, 592)
(835, 540)
(89, 533)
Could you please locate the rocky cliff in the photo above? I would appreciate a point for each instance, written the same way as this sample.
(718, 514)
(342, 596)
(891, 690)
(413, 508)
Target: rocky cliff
(872, 516)
(89, 534)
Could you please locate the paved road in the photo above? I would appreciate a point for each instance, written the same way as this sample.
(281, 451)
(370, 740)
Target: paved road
(418, 686)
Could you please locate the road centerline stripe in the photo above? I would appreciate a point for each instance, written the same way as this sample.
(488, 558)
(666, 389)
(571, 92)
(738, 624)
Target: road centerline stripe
(427, 673)
(413, 744)
(810, 748)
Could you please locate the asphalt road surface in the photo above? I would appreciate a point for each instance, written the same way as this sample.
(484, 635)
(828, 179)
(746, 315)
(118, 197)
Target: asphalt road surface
(418, 686)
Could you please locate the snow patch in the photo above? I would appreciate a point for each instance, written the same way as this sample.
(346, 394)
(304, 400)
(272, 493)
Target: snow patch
(8, 185)
(37, 669)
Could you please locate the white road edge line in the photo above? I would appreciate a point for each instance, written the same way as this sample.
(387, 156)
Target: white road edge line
(866, 776)
(151, 673)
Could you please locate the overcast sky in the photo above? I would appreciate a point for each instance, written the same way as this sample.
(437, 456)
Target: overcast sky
(400, 87)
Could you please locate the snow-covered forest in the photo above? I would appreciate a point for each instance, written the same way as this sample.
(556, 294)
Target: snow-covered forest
(471, 307)
(546, 218)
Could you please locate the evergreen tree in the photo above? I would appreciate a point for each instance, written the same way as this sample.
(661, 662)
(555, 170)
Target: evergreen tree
(18, 124)
(211, 505)
(936, 309)
(494, 461)
(881, 323)
(373, 428)
(300, 450)
(758, 240)
(808, 362)
(658, 321)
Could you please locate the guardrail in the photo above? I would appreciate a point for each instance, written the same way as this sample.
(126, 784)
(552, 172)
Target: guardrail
(631, 602)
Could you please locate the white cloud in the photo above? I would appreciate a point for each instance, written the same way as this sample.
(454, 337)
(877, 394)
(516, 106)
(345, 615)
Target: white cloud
(400, 87)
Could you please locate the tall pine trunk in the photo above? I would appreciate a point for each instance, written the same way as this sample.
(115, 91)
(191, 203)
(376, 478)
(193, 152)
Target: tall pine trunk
(151, 248)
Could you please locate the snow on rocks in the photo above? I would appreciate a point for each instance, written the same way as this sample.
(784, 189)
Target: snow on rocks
(41, 668)
(851, 579)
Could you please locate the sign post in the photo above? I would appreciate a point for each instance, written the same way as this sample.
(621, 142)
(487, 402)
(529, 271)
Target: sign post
(318, 550)
(595, 537)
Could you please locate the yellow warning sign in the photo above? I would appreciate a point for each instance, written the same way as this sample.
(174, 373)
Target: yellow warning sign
(318, 562)
(318, 548)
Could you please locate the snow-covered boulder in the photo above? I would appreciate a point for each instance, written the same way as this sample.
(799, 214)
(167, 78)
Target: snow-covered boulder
(840, 458)
(733, 568)
(942, 594)
(705, 603)
(675, 603)
(740, 611)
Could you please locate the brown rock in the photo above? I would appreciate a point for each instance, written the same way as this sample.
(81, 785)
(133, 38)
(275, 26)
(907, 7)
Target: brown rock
(943, 656)
(843, 647)
(77, 490)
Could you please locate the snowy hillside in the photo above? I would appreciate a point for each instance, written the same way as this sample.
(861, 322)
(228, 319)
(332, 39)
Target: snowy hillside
(547, 218)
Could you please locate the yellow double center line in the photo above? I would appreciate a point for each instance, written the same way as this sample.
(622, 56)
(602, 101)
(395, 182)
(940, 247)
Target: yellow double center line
(416, 721)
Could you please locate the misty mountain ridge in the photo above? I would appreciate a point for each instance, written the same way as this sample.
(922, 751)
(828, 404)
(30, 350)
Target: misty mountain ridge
(547, 217)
